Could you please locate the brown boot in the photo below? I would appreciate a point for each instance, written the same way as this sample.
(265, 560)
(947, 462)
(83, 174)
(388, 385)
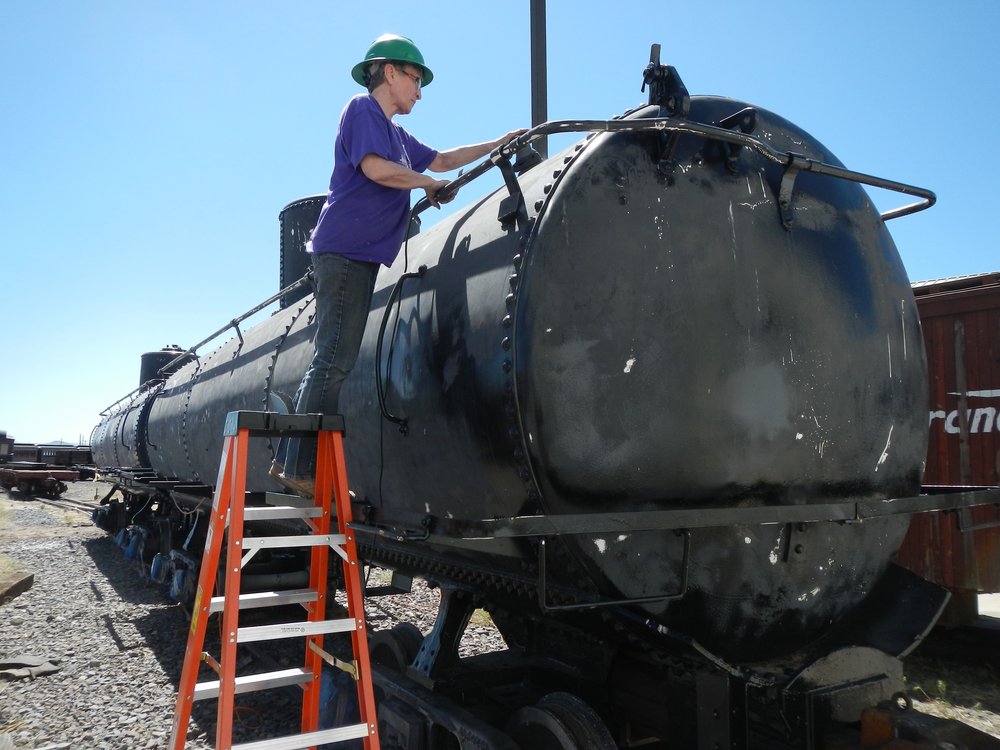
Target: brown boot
(302, 487)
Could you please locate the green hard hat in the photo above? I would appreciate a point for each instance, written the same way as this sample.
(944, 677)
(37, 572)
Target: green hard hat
(392, 48)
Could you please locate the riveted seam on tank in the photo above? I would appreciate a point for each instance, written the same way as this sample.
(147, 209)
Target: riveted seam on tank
(511, 409)
(510, 404)
(524, 468)
(184, 415)
(269, 379)
(142, 424)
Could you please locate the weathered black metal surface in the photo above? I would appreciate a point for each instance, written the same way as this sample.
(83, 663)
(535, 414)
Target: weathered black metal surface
(642, 331)
(654, 337)
(151, 364)
(120, 439)
(297, 221)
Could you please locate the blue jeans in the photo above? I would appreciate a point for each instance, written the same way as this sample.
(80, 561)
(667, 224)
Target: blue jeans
(344, 291)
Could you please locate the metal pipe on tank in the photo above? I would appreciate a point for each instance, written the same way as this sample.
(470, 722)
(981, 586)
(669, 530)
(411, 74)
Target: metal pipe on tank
(539, 85)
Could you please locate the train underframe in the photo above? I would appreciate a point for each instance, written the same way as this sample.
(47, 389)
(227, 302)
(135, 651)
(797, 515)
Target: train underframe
(594, 679)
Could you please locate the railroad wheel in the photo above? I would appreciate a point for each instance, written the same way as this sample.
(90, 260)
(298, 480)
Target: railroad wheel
(397, 647)
(534, 728)
(559, 721)
(24, 487)
(589, 730)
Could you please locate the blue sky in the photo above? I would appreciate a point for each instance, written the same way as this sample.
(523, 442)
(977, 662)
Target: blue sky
(148, 146)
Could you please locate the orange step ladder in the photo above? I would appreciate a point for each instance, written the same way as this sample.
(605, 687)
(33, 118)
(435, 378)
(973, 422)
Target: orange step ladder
(229, 510)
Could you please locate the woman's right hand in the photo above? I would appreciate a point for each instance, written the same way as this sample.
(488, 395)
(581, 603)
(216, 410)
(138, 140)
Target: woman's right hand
(432, 192)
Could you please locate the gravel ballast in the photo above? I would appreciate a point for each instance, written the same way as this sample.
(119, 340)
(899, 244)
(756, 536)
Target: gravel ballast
(117, 643)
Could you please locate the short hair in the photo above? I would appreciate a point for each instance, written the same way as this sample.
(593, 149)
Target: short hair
(375, 74)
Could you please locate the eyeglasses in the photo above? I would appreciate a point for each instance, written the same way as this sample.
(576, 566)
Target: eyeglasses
(416, 79)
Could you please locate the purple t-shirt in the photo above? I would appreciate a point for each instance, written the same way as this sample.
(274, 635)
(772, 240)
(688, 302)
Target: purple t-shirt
(361, 219)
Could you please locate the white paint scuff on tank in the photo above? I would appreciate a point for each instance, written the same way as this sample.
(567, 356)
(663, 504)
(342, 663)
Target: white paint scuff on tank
(764, 200)
(774, 556)
(732, 228)
(602, 545)
(628, 364)
(885, 451)
(809, 594)
(888, 346)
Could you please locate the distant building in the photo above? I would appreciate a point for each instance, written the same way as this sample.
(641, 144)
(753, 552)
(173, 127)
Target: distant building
(6, 447)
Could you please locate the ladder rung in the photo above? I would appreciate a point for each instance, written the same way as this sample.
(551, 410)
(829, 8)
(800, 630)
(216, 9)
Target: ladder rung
(294, 630)
(277, 512)
(266, 599)
(298, 741)
(280, 498)
(251, 682)
(302, 540)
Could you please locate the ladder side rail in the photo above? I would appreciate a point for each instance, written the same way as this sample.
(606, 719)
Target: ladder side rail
(231, 606)
(202, 602)
(318, 570)
(355, 594)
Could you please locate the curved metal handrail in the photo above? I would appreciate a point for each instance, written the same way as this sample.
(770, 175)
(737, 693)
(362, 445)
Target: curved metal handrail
(786, 159)
(234, 323)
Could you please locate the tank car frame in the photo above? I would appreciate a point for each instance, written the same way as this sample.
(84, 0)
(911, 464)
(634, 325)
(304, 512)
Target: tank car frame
(583, 666)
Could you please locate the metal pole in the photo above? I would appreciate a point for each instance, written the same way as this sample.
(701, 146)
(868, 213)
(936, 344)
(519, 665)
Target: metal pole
(539, 88)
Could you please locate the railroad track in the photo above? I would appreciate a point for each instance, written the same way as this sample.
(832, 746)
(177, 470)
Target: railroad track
(64, 503)
(68, 503)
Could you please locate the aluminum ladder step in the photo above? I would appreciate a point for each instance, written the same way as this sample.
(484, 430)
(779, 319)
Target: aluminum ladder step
(253, 682)
(280, 498)
(260, 599)
(279, 512)
(298, 741)
(301, 540)
(294, 630)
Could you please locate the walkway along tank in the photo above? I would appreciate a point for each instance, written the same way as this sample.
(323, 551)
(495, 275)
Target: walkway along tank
(657, 404)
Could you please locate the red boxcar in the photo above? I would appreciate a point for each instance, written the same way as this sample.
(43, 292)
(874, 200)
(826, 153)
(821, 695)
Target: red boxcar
(961, 326)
